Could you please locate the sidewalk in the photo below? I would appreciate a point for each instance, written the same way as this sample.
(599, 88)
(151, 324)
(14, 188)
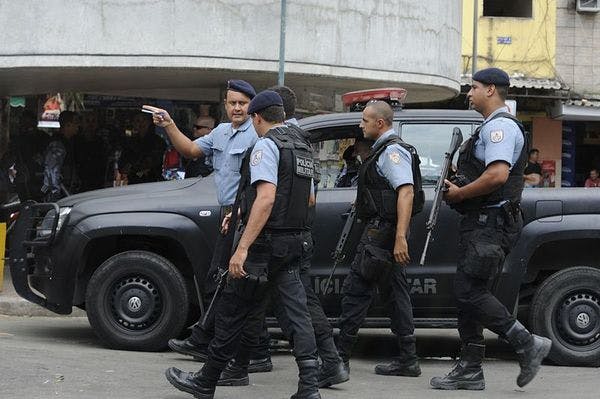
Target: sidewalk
(11, 304)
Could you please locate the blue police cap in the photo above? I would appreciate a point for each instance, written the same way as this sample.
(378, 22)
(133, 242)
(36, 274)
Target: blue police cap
(492, 76)
(263, 100)
(241, 86)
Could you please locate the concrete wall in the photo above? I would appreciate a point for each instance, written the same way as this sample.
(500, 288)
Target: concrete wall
(335, 45)
(578, 49)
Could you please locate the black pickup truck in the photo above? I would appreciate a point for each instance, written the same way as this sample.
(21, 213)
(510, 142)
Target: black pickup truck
(133, 257)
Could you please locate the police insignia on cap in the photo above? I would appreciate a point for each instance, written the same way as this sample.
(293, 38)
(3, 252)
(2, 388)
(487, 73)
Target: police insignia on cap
(395, 157)
(497, 136)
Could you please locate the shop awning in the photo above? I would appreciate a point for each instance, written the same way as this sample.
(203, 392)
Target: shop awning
(576, 110)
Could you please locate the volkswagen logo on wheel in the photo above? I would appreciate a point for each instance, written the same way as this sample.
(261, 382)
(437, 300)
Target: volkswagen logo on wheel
(583, 320)
(134, 303)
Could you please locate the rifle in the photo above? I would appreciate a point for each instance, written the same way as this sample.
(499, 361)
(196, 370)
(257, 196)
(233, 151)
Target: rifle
(339, 252)
(221, 281)
(440, 187)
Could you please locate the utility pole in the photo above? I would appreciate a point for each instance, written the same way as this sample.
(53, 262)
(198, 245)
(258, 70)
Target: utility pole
(281, 79)
(475, 30)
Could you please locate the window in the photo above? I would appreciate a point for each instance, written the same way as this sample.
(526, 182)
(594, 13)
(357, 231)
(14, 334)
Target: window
(503, 8)
(432, 142)
(329, 150)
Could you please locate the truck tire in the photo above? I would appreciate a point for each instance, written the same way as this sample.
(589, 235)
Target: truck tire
(566, 309)
(137, 300)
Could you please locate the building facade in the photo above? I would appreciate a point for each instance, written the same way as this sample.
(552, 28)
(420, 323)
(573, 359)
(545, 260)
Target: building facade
(547, 46)
(187, 49)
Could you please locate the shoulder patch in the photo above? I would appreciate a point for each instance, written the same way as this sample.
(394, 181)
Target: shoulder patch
(256, 157)
(497, 136)
(395, 157)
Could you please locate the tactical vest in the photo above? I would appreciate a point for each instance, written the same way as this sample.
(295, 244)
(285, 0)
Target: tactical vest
(296, 169)
(471, 168)
(375, 197)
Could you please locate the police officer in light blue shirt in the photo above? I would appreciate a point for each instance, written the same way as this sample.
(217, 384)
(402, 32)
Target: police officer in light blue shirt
(226, 144)
(487, 192)
(384, 202)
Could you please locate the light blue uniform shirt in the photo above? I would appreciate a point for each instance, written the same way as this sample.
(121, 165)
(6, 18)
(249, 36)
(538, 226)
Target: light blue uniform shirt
(499, 140)
(227, 145)
(395, 163)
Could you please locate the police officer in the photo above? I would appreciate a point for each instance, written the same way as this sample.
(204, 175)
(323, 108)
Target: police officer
(487, 191)
(60, 162)
(275, 197)
(226, 144)
(332, 371)
(384, 201)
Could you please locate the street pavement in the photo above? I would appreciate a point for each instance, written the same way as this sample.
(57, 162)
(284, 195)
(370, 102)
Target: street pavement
(60, 357)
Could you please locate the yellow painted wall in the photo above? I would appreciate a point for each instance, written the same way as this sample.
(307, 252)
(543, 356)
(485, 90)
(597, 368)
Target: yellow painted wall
(533, 48)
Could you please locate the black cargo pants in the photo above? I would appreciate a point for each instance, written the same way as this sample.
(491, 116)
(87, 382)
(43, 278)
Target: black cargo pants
(259, 348)
(321, 326)
(486, 237)
(368, 272)
(220, 259)
(277, 257)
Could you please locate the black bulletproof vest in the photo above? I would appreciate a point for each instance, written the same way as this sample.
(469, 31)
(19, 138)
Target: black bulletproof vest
(375, 197)
(471, 168)
(296, 169)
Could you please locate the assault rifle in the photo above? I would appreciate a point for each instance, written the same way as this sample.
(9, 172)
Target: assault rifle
(440, 188)
(339, 254)
(221, 281)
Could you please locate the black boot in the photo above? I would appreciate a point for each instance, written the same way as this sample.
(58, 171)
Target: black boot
(190, 348)
(406, 364)
(234, 375)
(308, 372)
(332, 374)
(467, 373)
(332, 370)
(345, 342)
(263, 365)
(201, 384)
(531, 351)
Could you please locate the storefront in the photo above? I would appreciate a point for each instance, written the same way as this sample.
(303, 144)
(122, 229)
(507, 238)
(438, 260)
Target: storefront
(580, 146)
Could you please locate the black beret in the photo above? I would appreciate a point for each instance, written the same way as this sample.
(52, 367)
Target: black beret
(492, 76)
(263, 100)
(241, 86)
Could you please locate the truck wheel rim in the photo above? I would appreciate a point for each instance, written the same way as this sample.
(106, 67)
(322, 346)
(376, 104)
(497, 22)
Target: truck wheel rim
(577, 320)
(135, 303)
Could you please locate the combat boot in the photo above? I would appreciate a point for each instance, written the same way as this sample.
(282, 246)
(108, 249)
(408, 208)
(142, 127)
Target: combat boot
(531, 350)
(308, 373)
(234, 375)
(467, 373)
(332, 370)
(201, 384)
(190, 348)
(263, 365)
(406, 364)
(345, 342)
(333, 374)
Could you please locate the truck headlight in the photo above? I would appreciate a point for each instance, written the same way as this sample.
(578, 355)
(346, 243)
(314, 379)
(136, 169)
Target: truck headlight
(45, 228)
